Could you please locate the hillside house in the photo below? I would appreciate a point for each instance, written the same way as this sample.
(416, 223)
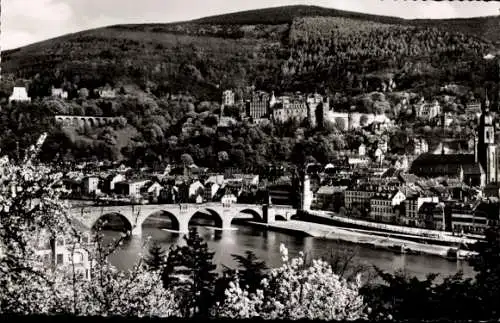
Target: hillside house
(216, 179)
(111, 180)
(19, 94)
(107, 93)
(428, 111)
(152, 190)
(65, 253)
(210, 191)
(196, 188)
(228, 98)
(90, 185)
(130, 188)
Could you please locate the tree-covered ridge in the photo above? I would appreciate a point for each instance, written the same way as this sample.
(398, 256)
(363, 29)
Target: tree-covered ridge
(326, 42)
(308, 44)
(174, 62)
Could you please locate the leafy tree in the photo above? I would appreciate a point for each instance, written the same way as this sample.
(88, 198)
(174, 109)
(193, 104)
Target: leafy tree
(33, 218)
(189, 271)
(156, 259)
(251, 270)
(487, 265)
(187, 159)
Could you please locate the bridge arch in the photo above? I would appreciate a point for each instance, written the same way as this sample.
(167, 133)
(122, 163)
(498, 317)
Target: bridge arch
(110, 220)
(212, 214)
(81, 122)
(158, 217)
(256, 215)
(91, 122)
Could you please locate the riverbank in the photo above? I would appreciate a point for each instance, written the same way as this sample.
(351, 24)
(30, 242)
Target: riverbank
(322, 231)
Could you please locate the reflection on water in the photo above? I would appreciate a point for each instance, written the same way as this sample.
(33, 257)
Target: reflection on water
(266, 244)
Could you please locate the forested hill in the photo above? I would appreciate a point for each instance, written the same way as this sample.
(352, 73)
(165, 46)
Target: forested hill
(485, 27)
(287, 48)
(286, 14)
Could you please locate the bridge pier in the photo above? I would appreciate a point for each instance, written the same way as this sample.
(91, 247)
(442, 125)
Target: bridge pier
(226, 223)
(183, 226)
(137, 231)
(269, 214)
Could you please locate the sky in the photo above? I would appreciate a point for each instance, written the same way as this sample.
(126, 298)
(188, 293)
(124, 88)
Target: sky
(28, 21)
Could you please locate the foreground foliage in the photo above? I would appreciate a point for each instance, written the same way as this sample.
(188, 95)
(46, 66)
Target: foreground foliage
(294, 291)
(31, 215)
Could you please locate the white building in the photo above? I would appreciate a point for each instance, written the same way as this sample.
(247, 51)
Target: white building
(228, 199)
(19, 94)
(428, 111)
(130, 188)
(195, 188)
(65, 254)
(228, 98)
(90, 184)
(210, 190)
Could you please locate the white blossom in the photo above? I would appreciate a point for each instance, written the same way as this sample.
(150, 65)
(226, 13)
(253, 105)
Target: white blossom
(30, 213)
(294, 292)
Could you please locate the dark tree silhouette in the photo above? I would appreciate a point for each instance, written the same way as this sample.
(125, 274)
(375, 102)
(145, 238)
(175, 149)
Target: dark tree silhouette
(190, 271)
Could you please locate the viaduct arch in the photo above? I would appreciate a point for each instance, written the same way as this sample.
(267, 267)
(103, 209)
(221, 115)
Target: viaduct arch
(81, 121)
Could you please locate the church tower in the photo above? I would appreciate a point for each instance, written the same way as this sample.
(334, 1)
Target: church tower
(486, 148)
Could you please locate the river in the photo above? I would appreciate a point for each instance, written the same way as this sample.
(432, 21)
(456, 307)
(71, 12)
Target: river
(266, 244)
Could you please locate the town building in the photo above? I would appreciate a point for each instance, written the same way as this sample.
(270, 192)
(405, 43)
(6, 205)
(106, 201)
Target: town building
(420, 146)
(290, 108)
(228, 199)
(282, 194)
(90, 185)
(130, 188)
(383, 205)
(228, 98)
(428, 111)
(477, 169)
(486, 149)
(317, 108)
(61, 253)
(258, 106)
(195, 189)
(473, 109)
(107, 93)
(19, 94)
(473, 218)
(111, 180)
(210, 191)
(431, 215)
(412, 206)
(152, 190)
(329, 197)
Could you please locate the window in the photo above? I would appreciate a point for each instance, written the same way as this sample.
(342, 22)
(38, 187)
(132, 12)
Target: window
(60, 258)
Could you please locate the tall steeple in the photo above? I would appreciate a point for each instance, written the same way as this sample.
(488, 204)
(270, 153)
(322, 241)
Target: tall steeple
(486, 102)
(486, 147)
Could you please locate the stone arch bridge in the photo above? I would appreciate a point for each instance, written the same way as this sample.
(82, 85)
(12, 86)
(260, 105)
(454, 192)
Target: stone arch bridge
(81, 121)
(181, 214)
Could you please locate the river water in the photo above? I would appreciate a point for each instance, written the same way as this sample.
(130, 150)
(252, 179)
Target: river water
(266, 244)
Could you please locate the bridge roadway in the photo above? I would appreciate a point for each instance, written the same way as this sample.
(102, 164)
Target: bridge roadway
(181, 214)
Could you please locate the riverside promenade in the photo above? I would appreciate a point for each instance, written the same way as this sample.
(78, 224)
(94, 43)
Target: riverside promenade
(323, 231)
